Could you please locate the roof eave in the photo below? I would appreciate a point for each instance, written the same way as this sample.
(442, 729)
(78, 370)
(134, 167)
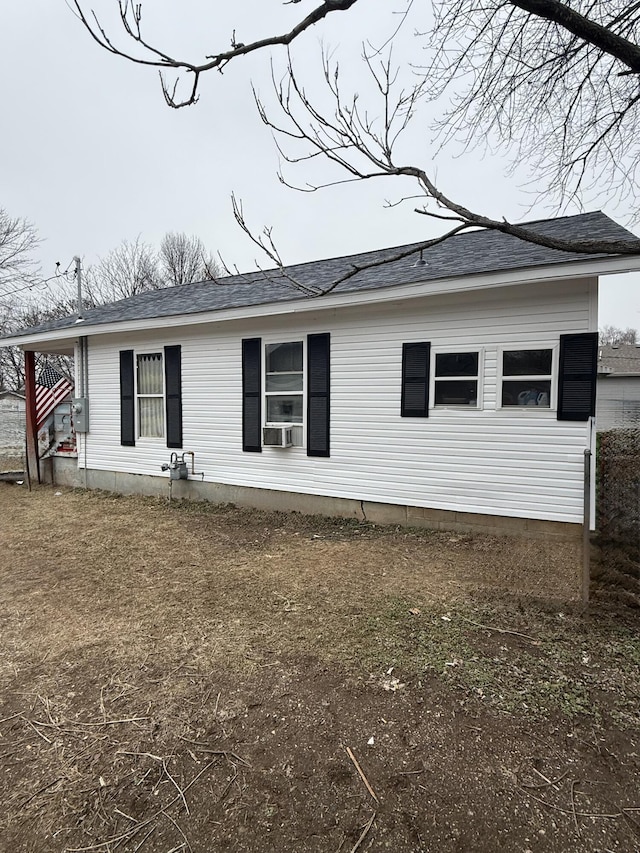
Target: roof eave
(588, 268)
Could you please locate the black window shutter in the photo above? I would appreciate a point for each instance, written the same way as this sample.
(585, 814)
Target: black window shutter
(252, 395)
(415, 380)
(173, 388)
(127, 399)
(318, 382)
(577, 376)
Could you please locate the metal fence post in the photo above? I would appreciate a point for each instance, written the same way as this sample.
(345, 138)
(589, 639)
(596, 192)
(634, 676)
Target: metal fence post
(586, 524)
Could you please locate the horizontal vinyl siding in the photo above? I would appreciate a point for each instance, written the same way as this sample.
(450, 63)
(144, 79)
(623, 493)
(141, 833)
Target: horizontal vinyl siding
(515, 463)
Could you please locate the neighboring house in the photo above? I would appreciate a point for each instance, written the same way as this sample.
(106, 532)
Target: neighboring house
(456, 393)
(618, 398)
(54, 436)
(12, 420)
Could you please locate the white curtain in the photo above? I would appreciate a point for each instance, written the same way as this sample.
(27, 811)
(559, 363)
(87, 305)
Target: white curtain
(150, 396)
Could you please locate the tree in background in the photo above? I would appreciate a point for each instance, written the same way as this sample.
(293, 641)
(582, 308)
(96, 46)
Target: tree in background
(132, 268)
(613, 335)
(127, 270)
(19, 270)
(136, 267)
(184, 260)
(556, 82)
(27, 314)
(19, 275)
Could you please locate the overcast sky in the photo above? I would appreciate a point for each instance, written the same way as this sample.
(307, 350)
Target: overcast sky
(90, 153)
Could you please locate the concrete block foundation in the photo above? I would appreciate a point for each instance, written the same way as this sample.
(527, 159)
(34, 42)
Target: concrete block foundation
(64, 472)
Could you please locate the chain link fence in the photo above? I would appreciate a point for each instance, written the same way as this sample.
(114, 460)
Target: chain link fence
(617, 563)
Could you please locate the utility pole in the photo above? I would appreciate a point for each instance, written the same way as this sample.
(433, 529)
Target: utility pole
(79, 284)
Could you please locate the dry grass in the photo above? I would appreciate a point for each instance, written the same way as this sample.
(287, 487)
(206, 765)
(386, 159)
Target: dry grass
(231, 579)
(183, 619)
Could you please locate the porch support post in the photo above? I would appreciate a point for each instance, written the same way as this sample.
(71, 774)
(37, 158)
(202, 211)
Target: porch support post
(31, 416)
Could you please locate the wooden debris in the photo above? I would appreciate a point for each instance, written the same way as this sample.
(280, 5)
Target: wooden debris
(362, 776)
(364, 832)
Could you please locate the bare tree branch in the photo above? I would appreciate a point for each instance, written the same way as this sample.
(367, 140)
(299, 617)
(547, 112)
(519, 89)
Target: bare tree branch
(267, 245)
(366, 150)
(18, 269)
(131, 16)
(551, 93)
(587, 30)
(555, 81)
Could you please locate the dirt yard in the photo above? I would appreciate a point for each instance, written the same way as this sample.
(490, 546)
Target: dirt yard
(193, 678)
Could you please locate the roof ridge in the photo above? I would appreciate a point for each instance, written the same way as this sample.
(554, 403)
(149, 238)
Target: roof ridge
(477, 230)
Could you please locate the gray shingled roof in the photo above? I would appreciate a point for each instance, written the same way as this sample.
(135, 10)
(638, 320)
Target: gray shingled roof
(469, 253)
(620, 359)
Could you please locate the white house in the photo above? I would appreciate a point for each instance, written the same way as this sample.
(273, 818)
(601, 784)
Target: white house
(618, 396)
(456, 393)
(12, 419)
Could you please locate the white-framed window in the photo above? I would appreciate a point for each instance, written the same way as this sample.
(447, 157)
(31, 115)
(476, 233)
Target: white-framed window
(527, 377)
(456, 378)
(284, 383)
(150, 395)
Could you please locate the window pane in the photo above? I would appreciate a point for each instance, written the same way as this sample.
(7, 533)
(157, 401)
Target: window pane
(283, 409)
(150, 373)
(457, 393)
(526, 393)
(151, 417)
(284, 358)
(526, 362)
(457, 364)
(284, 382)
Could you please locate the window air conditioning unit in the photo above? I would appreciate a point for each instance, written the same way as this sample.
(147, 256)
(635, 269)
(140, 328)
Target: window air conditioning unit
(277, 436)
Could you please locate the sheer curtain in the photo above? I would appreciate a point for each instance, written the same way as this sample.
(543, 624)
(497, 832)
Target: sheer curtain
(150, 396)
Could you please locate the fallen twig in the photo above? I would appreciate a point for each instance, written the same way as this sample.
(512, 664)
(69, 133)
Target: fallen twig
(362, 776)
(79, 733)
(39, 733)
(364, 833)
(225, 753)
(227, 787)
(186, 840)
(140, 754)
(83, 723)
(47, 707)
(112, 722)
(175, 784)
(500, 630)
(39, 791)
(123, 836)
(139, 846)
(573, 806)
(570, 812)
(12, 717)
(124, 814)
(547, 782)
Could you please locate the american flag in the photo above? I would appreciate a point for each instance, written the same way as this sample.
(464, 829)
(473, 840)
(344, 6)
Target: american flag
(51, 388)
